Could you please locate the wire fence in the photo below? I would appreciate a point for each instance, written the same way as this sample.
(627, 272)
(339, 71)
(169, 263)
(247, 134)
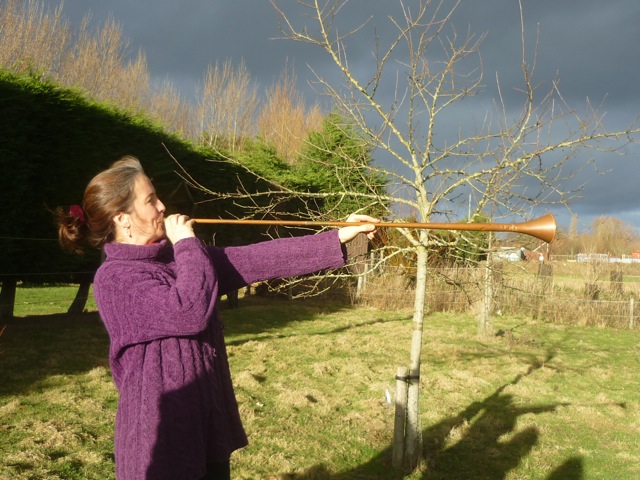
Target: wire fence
(551, 291)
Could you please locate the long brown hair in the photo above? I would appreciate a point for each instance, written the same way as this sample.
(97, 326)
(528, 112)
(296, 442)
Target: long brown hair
(107, 194)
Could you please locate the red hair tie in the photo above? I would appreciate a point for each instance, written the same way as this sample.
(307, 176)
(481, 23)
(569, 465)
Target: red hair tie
(77, 212)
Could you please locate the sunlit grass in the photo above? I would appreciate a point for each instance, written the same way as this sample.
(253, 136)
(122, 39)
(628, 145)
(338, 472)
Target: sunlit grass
(537, 402)
(35, 300)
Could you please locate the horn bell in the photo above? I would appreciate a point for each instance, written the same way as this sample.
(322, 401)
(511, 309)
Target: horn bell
(543, 228)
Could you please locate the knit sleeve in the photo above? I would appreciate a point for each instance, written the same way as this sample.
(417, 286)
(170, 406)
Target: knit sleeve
(140, 304)
(280, 258)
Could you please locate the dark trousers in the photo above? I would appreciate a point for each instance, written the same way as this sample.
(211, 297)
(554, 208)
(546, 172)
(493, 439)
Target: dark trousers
(218, 471)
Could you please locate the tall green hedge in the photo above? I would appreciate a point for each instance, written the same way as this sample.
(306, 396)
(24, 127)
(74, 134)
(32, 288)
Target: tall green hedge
(53, 141)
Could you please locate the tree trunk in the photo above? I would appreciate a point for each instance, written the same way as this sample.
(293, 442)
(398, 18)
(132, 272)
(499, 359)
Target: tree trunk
(413, 442)
(7, 298)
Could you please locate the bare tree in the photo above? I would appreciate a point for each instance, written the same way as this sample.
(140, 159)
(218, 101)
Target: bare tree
(27, 32)
(285, 121)
(38, 41)
(611, 236)
(167, 106)
(508, 162)
(227, 107)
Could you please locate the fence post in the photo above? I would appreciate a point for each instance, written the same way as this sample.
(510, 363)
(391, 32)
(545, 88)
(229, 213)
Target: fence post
(545, 283)
(616, 277)
(400, 417)
(80, 301)
(7, 298)
(485, 324)
(632, 319)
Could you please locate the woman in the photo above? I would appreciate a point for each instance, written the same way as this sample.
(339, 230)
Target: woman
(157, 294)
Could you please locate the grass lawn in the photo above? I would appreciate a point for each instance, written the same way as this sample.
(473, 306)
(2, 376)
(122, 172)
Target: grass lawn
(539, 401)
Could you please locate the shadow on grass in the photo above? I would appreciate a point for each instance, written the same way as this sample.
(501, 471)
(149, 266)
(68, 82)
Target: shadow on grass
(478, 443)
(263, 335)
(36, 347)
(262, 318)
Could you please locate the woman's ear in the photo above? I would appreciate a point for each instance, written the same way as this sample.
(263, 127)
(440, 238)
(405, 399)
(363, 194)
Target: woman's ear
(123, 220)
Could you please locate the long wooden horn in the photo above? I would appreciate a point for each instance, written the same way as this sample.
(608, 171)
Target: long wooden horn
(543, 228)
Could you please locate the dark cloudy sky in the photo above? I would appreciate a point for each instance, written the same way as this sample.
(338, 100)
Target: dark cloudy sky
(590, 45)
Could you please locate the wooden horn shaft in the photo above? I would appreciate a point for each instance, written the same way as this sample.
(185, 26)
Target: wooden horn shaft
(543, 228)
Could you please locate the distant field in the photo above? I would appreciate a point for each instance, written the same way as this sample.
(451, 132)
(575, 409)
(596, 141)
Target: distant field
(539, 401)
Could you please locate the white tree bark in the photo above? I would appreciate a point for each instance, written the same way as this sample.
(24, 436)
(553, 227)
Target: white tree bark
(413, 434)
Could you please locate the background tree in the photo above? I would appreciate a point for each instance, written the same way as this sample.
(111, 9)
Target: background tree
(337, 159)
(572, 239)
(511, 163)
(285, 121)
(226, 107)
(611, 236)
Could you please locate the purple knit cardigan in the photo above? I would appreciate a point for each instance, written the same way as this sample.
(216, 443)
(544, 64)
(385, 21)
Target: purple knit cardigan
(177, 410)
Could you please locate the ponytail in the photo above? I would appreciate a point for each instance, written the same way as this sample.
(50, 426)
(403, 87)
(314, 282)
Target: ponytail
(72, 229)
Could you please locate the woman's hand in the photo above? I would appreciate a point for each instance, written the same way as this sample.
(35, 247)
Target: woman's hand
(178, 227)
(346, 234)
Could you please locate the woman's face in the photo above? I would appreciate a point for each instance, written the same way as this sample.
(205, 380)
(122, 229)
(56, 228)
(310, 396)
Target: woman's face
(147, 216)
